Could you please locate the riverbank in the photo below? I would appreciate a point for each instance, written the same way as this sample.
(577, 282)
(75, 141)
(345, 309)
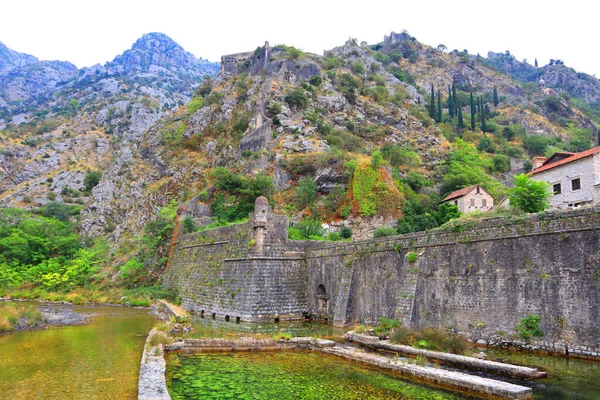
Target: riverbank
(20, 316)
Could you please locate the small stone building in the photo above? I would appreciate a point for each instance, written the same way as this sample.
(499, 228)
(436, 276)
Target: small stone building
(469, 199)
(574, 178)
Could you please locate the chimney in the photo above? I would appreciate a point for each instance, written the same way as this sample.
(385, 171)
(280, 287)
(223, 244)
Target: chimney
(538, 162)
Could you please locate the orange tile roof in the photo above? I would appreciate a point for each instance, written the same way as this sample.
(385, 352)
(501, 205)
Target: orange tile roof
(575, 157)
(461, 192)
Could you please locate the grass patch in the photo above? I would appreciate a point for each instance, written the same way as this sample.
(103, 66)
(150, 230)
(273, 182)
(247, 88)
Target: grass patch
(14, 314)
(157, 339)
(429, 339)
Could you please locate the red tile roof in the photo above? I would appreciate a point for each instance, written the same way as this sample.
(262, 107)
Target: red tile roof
(574, 157)
(461, 192)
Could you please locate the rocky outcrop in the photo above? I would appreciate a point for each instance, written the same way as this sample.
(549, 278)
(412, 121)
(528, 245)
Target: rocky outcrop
(576, 84)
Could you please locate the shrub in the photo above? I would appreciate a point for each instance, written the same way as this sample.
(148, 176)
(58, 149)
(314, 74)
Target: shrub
(297, 98)
(91, 180)
(529, 195)
(376, 159)
(501, 163)
(358, 68)
(345, 140)
(528, 327)
(194, 105)
(273, 109)
(306, 192)
(346, 233)
(385, 326)
(383, 231)
(315, 80)
(430, 339)
(412, 257)
(188, 224)
(333, 62)
(214, 98)
(51, 196)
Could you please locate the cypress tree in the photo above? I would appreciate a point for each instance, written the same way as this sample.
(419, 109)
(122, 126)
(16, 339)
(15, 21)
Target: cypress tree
(432, 104)
(454, 99)
(483, 124)
(472, 113)
(461, 122)
(450, 103)
(439, 108)
(536, 63)
(496, 101)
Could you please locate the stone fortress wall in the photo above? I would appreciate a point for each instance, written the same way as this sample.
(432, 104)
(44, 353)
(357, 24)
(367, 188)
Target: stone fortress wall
(480, 279)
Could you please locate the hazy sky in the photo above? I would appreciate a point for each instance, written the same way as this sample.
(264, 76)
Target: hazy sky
(87, 33)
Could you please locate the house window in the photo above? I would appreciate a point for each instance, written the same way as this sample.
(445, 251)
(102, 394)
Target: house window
(477, 190)
(576, 184)
(472, 202)
(483, 202)
(455, 202)
(556, 188)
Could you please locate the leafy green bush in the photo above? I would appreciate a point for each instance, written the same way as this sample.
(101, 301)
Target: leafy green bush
(194, 105)
(383, 231)
(273, 109)
(333, 62)
(296, 98)
(346, 233)
(529, 327)
(345, 140)
(306, 192)
(188, 224)
(385, 326)
(358, 68)
(315, 80)
(91, 180)
(411, 257)
(529, 195)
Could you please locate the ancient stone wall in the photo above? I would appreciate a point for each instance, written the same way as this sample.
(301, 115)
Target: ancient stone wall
(478, 278)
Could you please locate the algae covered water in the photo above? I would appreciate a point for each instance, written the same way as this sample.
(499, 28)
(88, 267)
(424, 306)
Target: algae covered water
(286, 375)
(99, 360)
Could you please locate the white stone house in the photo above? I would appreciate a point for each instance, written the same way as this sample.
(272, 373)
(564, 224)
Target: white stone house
(469, 199)
(574, 178)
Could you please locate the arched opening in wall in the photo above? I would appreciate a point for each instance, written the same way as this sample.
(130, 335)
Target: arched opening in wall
(227, 318)
(202, 314)
(322, 300)
(214, 315)
(276, 320)
(237, 320)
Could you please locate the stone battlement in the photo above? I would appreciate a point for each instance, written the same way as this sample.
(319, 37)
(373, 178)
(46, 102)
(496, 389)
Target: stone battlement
(481, 277)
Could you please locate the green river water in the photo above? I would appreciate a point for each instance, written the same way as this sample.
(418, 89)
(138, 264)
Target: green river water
(100, 360)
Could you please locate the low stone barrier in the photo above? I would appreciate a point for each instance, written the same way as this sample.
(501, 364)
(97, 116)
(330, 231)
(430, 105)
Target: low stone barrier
(152, 384)
(248, 344)
(470, 363)
(458, 381)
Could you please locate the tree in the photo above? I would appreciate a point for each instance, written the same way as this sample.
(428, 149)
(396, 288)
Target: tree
(529, 195)
(91, 180)
(472, 113)
(536, 63)
(432, 103)
(450, 103)
(455, 100)
(461, 122)
(376, 159)
(306, 192)
(439, 107)
(496, 101)
(296, 98)
(482, 114)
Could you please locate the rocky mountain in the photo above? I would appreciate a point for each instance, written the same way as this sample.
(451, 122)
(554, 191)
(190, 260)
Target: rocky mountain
(60, 122)
(352, 131)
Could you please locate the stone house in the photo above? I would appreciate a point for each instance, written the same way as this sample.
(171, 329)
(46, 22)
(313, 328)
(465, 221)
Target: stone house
(469, 199)
(574, 178)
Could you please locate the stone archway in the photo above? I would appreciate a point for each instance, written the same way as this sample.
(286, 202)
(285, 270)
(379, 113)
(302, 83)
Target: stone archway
(322, 301)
